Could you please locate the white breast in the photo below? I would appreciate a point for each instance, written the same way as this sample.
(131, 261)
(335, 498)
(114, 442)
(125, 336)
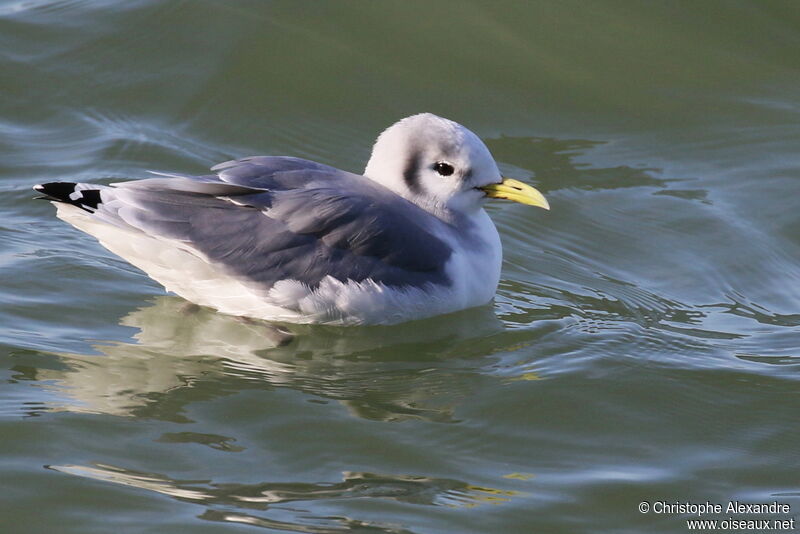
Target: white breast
(475, 265)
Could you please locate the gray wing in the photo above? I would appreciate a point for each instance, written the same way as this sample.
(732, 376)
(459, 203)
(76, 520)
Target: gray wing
(266, 219)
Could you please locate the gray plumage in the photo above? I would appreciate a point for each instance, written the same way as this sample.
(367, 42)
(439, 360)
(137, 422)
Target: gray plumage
(265, 219)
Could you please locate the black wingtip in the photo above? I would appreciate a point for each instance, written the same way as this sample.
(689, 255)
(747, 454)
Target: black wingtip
(86, 199)
(57, 190)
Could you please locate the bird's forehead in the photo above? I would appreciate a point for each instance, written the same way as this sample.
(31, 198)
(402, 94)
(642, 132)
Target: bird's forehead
(425, 138)
(454, 143)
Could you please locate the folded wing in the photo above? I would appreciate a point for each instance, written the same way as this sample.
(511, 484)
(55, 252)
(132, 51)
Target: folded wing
(266, 219)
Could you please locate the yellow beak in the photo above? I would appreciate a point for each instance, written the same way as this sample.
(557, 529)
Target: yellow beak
(517, 191)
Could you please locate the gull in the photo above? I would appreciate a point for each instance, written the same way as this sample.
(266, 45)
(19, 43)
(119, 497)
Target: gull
(290, 240)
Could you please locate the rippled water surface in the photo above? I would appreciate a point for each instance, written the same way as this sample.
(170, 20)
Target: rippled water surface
(644, 344)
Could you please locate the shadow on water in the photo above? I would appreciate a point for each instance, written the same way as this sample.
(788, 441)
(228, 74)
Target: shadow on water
(183, 354)
(553, 163)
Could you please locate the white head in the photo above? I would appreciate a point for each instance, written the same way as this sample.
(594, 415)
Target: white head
(437, 164)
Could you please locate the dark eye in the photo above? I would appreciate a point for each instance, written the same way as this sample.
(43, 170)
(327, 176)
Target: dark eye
(445, 169)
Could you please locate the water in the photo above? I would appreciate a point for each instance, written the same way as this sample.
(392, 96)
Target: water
(644, 344)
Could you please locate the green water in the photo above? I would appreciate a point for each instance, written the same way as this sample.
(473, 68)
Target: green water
(644, 344)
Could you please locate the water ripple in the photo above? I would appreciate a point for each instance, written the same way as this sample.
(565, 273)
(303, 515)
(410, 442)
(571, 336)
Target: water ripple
(224, 500)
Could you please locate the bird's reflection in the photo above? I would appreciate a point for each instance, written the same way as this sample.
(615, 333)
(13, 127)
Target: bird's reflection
(246, 503)
(183, 353)
(403, 488)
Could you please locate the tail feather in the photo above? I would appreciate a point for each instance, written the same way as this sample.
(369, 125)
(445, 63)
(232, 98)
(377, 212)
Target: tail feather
(85, 196)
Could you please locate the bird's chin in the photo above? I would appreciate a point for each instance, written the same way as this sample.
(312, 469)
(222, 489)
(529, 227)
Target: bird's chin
(475, 198)
(479, 194)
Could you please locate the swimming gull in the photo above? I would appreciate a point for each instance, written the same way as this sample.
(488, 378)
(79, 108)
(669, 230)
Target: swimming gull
(287, 239)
